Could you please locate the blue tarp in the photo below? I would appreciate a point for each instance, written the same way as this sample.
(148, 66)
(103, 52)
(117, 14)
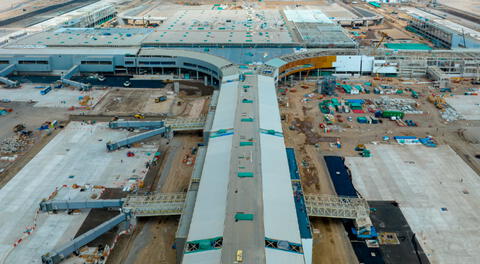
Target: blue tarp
(404, 137)
(342, 181)
(292, 164)
(356, 101)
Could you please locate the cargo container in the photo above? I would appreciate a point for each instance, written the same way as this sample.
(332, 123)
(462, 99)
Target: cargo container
(389, 114)
(362, 120)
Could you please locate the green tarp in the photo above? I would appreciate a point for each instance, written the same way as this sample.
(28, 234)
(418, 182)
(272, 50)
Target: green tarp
(245, 174)
(243, 217)
(407, 46)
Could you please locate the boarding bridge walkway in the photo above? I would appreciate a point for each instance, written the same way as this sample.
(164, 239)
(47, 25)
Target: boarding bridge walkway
(111, 146)
(186, 124)
(175, 124)
(168, 204)
(133, 206)
(56, 256)
(333, 206)
(160, 204)
(69, 74)
(5, 72)
(155, 204)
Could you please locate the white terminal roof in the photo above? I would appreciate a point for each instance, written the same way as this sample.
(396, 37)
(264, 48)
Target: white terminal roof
(268, 106)
(222, 26)
(280, 217)
(415, 12)
(459, 28)
(65, 18)
(209, 214)
(276, 62)
(227, 103)
(210, 208)
(39, 50)
(276, 256)
(307, 15)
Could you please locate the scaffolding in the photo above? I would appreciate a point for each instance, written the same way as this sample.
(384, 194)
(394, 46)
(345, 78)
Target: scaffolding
(333, 206)
(156, 204)
(327, 85)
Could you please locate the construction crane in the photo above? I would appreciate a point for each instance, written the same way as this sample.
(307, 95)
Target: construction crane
(384, 35)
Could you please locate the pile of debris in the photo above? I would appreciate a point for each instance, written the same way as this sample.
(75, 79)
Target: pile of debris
(449, 114)
(13, 144)
(408, 106)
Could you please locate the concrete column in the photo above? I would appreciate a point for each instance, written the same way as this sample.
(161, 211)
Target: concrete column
(176, 87)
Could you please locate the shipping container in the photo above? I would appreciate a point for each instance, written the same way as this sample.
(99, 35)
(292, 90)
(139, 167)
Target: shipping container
(389, 114)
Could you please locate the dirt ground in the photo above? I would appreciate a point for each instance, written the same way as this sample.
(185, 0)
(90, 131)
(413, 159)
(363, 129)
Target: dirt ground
(153, 238)
(31, 117)
(330, 242)
(134, 100)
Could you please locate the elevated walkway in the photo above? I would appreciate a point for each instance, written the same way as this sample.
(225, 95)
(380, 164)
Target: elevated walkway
(69, 74)
(174, 124)
(185, 124)
(333, 206)
(5, 72)
(63, 252)
(54, 205)
(156, 204)
(161, 204)
(111, 146)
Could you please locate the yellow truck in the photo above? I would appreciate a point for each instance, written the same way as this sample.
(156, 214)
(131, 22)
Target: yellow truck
(239, 257)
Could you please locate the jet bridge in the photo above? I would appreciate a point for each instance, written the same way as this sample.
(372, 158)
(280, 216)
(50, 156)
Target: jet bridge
(5, 72)
(56, 205)
(69, 74)
(62, 253)
(111, 146)
(144, 125)
(155, 204)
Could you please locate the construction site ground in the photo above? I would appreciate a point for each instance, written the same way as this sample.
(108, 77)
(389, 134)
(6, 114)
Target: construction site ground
(311, 143)
(468, 106)
(436, 191)
(77, 155)
(57, 98)
(32, 118)
(29, 115)
(126, 101)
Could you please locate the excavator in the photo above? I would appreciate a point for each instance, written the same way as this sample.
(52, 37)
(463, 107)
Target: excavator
(384, 35)
(438, 101)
